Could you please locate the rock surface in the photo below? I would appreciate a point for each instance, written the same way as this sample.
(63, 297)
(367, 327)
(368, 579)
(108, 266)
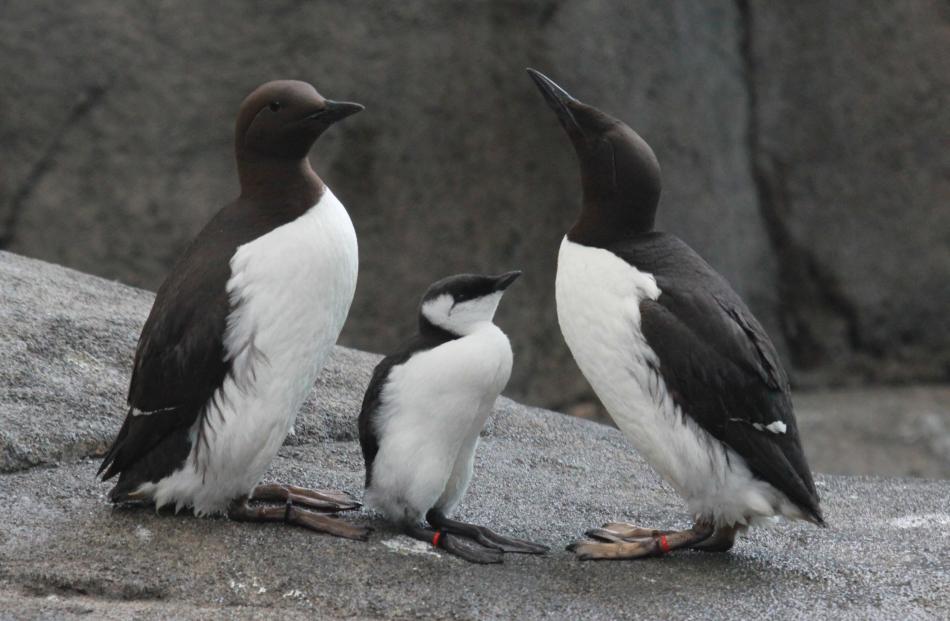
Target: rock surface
(67, 340)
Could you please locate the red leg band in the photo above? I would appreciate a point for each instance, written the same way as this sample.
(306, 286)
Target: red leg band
(664, 544)
(436, 538)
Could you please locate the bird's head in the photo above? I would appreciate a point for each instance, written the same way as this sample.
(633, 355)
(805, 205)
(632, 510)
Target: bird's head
(282, 120)
(459, 304)
(620, 174)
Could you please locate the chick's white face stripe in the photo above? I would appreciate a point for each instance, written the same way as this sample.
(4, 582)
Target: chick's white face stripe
(461, 317)
(437, 309)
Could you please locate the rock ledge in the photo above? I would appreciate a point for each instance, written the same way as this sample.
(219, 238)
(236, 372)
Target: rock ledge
(66, 340)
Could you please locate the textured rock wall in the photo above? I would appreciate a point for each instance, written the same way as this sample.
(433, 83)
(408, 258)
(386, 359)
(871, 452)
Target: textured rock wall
(850, 142)
(116, 143)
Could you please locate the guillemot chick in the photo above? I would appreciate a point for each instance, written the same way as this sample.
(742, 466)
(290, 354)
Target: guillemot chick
(681, 364)
(241, 328)
(424, 409)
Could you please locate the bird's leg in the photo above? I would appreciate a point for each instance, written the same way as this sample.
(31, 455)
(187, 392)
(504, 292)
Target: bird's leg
(622, 531)
(456, 546)
(482, 535)
(720, 541)
(322, 500)
(639, 543)
(241, 511)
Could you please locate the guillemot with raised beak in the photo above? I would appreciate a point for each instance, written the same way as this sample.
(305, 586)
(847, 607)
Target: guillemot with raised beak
(241, 328)
(678, 360)
(424, 409)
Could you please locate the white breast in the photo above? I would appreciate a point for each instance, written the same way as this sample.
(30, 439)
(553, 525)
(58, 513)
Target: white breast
(432, 410)
(598, 305)
(291, 291)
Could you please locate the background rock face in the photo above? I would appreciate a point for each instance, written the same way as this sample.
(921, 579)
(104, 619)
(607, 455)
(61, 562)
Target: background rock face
(66, 342)
(850, 145)
(799, 148)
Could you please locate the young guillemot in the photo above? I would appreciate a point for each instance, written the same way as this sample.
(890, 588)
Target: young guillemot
(681, 364)
(424, 409)
(240, 329)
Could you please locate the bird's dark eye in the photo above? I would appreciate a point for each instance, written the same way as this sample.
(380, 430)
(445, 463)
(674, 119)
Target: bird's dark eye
(274, 106)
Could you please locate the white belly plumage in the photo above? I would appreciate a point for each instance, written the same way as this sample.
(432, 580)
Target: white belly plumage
(598, 305)
(433, 408)
(291, 291)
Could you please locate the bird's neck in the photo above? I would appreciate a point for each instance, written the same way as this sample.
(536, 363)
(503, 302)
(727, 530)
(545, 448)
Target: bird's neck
(429, 330)
(279, 179)
(605, 222)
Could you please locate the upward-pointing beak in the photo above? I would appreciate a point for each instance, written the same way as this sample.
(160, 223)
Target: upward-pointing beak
(557, 98)
(504, 281)
(334, 111)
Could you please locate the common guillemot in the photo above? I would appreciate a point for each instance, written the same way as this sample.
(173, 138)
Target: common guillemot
(681, 364)
(240, 329)
(423, 411)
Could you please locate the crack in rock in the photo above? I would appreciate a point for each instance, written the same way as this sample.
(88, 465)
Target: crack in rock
(89, 99)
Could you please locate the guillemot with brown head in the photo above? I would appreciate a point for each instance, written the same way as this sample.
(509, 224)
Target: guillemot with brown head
(681, 364)
(240, 329)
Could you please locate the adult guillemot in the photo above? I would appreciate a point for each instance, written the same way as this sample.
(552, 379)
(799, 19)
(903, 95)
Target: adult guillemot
(676, 357)
(241, 327)
(424, 409)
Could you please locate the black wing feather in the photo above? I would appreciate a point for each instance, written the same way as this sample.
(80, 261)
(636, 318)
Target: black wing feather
(429, 337)
(372, 399)
(720, 366)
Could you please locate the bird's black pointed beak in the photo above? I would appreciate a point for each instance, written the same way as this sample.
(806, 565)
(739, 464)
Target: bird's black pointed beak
(504, 281)
(334, 111)
(558, 99)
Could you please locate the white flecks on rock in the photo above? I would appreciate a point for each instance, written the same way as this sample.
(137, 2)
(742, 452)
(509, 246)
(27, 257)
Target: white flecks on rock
(923, 520)
(143, 534)
(258, 587)
(405, 545)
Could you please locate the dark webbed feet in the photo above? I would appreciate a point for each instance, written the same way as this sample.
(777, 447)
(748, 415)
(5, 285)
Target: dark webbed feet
(618, 540)
(720, 541)
(328, 501)
(484, 536)
(456, 546)
(242, 511)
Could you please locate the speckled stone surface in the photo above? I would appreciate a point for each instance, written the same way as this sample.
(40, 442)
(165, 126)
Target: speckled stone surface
(66, 340)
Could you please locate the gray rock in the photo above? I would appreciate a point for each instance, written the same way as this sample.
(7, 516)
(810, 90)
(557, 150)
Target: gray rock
(883, 431)
(116, 139)
(851, 156)
(66, 344)
(65, 552)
